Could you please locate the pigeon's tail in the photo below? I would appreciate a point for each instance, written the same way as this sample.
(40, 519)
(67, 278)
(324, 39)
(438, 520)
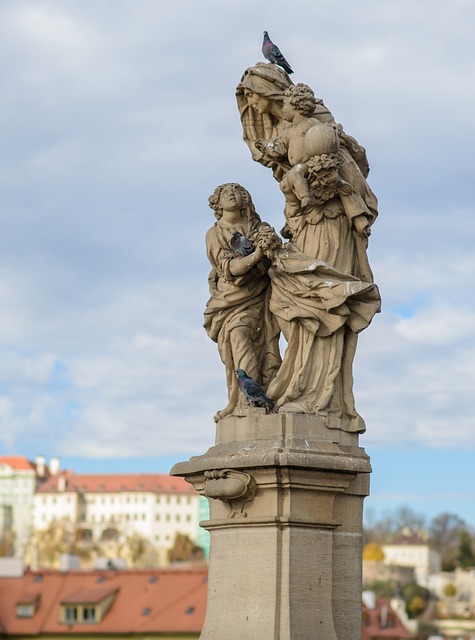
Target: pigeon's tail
(266, 403)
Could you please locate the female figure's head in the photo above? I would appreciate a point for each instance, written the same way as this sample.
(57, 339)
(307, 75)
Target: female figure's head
(265, 80)
(231, 197)
(260, 96)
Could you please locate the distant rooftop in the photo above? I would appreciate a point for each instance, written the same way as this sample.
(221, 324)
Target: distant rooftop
(115, 483)
(18, 463)
(174, 602)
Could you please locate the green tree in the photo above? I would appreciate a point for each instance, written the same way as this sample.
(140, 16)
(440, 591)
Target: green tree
(416, 598)
(444, 534)
(465, 555)
(449, 590)
(415, 606)
(382, 588)
(387, 527)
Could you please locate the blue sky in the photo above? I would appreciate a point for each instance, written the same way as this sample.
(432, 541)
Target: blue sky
(118, 120)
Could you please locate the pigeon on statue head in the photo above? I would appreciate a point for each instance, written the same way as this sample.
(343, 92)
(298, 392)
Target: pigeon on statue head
(272, 53)
(253, 392)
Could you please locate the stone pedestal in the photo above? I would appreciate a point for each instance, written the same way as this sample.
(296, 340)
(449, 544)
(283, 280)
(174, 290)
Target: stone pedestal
(286, 501)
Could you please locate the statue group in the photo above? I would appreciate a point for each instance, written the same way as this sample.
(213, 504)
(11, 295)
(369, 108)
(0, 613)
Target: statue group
(315, 287)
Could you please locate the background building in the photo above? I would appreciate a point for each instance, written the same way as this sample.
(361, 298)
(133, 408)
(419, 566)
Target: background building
(17, 488)
(413, 551)
(153, 506)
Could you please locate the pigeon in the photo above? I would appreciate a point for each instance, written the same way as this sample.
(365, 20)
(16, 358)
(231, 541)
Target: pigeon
(241, 245)
(272, 53)
(254, 393)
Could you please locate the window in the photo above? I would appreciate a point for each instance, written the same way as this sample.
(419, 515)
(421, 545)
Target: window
(157, 517)
(70, 614)
(89, 614)
(25, 610)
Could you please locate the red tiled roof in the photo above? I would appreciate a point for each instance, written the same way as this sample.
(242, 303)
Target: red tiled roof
(90, 595)
(147, 601)
(382, 622)
(114, 483)
(29, 598)
(17, 462)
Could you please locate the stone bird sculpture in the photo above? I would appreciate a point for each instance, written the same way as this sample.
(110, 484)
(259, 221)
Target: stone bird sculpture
(272, 53)
(253, 392)
(241, 245)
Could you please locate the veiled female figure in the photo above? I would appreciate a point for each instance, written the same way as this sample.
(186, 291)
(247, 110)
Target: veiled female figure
(237, 314)
(260, 97)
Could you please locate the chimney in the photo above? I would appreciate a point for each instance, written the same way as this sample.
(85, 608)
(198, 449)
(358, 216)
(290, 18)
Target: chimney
(61, 483)
(40, 463)
(369, 599)
(54, 466)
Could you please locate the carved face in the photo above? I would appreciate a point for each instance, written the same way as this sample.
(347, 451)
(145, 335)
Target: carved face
(258, 103)
(231, 198)
(288, 110)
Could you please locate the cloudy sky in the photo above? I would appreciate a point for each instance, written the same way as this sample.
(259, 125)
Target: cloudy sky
(117, 121)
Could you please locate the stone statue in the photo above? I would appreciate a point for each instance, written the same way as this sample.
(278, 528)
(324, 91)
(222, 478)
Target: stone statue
(237, 315)
(317, 289)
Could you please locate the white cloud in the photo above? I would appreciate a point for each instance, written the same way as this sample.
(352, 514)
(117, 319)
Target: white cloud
(438, 326)
(118, 119)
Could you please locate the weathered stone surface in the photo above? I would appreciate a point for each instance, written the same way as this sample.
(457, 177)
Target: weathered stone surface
(286, 539)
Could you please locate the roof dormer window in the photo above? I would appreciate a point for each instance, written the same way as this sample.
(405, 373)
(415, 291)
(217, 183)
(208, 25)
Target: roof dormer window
(86, 606)
(26, 606)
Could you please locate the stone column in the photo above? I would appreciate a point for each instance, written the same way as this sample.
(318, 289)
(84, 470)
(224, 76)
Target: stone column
(286, 498)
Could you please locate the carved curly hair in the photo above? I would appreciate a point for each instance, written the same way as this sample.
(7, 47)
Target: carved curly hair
(302, 98)
(247, 205)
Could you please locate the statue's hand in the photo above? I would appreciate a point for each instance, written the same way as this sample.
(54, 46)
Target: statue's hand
(258, 254)
(260, 144)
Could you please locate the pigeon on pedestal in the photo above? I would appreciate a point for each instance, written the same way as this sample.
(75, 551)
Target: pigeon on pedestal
(254, 393)
(272, 53)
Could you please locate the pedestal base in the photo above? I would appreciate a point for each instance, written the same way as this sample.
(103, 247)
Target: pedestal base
(286, 496)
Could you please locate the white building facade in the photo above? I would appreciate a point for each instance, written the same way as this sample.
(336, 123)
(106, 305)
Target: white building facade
(157, 507)
(17, 489)
(418, 555)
